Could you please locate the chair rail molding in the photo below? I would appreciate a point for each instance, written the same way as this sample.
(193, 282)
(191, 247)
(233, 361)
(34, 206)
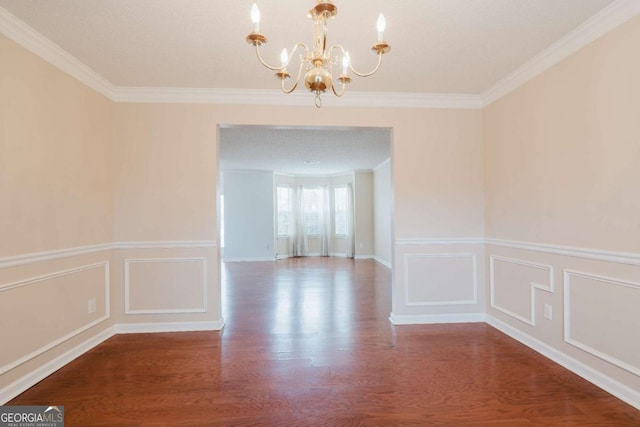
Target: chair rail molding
(33, 257)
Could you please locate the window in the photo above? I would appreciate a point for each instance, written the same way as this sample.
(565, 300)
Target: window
(283, 205)
(312, 203)
(340, 213)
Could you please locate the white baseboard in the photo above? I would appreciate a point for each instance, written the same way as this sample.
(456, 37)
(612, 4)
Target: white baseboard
(423, 319)
(37, 375)
(254, 259)
(332, 254)
(383, 262)
(140, 328)
(608, 384)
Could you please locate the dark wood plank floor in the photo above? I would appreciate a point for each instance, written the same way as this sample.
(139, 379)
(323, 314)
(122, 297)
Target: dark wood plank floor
(308, 343)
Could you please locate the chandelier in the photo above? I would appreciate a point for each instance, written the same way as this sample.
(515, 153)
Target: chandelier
(317, 62)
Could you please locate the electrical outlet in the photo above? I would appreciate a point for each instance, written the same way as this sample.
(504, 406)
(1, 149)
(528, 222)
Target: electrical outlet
(91, 305)
(548, 312)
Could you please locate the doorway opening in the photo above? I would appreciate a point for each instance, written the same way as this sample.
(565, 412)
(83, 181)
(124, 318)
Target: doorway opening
(328, 189)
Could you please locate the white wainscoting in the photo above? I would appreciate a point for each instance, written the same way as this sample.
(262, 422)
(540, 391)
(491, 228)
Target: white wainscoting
(59, 340)
(530, 283)
(612, 325)
(177, 287)
(45, 369)
(254, 259)
(445, 278)
(594, 332)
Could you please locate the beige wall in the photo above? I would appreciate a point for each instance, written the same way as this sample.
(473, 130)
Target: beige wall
(56, 192)
(438, 173)
(562, 155)
(562, 151)
(56, 163)
(166, 172)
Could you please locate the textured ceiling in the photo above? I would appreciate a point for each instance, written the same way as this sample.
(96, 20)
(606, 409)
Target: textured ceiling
(438, 46)
(285, 149)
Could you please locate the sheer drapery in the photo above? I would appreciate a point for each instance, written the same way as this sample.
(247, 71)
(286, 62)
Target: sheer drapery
(314, 216)
(350, 240)
(325, 222)
(297, 233)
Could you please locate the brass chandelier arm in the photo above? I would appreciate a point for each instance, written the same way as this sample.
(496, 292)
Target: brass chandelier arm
(369, 73)
(297, 80)
(304, 56)
(356, 72)
(281, 67)
(262, 60)
(338, 94)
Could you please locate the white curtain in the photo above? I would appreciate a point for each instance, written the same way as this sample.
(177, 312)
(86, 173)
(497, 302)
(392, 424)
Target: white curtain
(351, 238)
(297, 234)
(325, 222)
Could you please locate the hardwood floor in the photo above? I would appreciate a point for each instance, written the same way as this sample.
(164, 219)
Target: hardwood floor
(308, 343)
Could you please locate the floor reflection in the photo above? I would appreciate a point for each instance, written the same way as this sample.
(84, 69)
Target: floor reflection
(303, 305)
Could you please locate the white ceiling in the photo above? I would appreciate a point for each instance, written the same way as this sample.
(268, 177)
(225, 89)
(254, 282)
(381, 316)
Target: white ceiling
(285, 149)
(438, 46)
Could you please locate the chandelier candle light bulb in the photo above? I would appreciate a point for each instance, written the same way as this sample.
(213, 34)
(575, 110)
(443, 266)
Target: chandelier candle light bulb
(381, 26)
(317, 62)
(255, 18)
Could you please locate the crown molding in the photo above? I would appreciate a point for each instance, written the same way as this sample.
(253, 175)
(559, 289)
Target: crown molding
(30, 39)
(607, 19)
(614, 15)
(301, 98)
